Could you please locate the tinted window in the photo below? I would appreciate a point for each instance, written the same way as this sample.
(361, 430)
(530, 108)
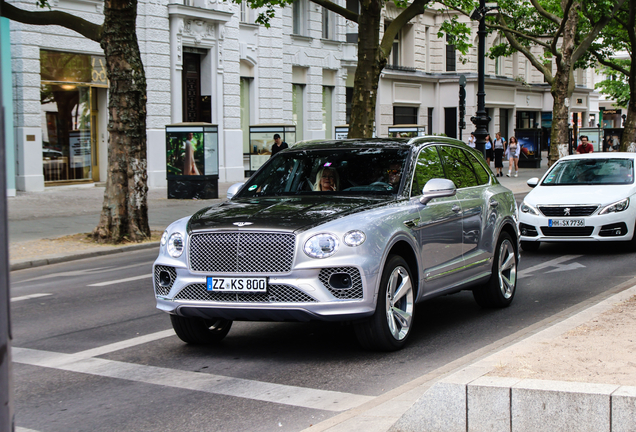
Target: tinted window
(428, 166)
(457, 167)
(482, 175)
(345, 171)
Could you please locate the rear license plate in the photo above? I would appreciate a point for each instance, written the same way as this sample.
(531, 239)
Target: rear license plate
(237, 284)
(566, 222)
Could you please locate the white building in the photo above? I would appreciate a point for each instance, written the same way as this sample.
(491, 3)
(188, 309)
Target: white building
(207, 61)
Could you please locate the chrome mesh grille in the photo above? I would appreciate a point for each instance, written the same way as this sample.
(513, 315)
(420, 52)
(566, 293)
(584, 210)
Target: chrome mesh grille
(353, 293)
(275, 294)
(240, 252)
(571, 210)
(164, 290)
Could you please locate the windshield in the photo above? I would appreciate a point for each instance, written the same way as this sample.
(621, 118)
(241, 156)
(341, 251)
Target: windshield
(591, 172)
(374, 171)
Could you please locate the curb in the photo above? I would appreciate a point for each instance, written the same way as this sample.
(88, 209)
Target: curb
(21, 265)
(470, 399)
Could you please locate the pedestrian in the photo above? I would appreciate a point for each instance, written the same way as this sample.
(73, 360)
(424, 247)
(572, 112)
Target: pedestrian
(513, 149)
(472, 140)
(584, 147)
(278, 145)
(607, 144)
(488, 149)
(499, 147)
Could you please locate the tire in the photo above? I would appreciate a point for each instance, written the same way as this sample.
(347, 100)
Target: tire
(631, 244)
(500, 289)
(390, 326)
(199, 331)
(529, 246)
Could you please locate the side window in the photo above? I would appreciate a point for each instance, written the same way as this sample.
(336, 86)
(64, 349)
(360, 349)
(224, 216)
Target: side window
(428, 166)
(457, 167)
(482, 175)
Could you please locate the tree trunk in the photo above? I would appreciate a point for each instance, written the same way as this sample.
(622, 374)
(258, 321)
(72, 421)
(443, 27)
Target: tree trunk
(629, 132)
(125, 208)
(563, 86)
(371, 61)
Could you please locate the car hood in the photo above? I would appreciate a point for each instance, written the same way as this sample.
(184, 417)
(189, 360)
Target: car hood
(569, 195)
(276, 213)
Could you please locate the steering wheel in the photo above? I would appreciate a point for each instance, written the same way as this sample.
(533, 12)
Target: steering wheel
(383, 185)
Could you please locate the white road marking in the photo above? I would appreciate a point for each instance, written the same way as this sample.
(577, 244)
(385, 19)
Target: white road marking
(29, 296)
(21, 429)
(197, 381)
(552, 263)
(113, 282)
(86, 271)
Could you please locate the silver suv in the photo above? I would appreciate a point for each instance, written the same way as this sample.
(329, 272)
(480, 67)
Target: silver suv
(353, 230)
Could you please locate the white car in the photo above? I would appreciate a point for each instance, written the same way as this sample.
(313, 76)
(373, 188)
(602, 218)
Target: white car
(587, 197)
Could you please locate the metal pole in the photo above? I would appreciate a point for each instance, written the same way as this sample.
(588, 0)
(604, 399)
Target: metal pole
(6, 398)
(481, 120)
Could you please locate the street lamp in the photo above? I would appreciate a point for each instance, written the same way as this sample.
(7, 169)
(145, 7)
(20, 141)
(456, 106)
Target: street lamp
(481, 120)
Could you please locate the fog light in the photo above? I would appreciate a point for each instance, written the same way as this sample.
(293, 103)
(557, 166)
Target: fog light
(164, 279)
(340, 281)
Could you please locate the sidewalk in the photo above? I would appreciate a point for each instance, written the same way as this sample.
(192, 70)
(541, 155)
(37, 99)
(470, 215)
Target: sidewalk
(535, 378)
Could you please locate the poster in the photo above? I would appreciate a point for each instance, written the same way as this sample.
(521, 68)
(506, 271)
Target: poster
(184, 153)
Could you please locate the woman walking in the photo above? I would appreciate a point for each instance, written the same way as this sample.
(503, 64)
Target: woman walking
(488, 149)
(512, 154)
(499, 146)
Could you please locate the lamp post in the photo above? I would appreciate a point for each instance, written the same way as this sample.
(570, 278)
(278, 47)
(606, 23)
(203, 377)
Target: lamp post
(481, 120)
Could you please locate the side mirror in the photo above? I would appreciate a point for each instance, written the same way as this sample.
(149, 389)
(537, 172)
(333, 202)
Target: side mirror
(437, 188)
(533, 182)
(232, 190)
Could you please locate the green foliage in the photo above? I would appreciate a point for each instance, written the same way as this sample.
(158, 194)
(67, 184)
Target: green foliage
(615, 86)
(460, 33)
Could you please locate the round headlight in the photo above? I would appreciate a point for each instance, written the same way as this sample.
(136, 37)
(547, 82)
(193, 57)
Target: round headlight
(321, 246)
(175, 245)
(164, 238)
(354, 238)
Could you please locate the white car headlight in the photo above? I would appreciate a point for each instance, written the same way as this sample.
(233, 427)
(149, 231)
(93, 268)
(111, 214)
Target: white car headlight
(354, 238)
(164, 238)
(527, 208)
(618, 206)
(321, 246)
(175, 245)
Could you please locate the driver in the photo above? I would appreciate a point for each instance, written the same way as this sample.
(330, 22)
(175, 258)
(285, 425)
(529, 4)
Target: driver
(327, 179)
(395, 175)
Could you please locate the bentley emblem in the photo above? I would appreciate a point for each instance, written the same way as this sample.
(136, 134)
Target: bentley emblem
(242, 224)
(566, 211)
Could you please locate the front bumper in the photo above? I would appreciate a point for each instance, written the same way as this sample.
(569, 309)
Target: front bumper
(608, 227)
(305, 294)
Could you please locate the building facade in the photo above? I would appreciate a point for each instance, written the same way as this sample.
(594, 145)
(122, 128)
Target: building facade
(207, 61)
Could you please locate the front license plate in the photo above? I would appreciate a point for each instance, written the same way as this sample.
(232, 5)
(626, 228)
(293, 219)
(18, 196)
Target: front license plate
(566, 222)
(237, 284)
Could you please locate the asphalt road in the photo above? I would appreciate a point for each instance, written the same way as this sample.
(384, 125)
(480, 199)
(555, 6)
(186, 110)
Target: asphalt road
(131, 373)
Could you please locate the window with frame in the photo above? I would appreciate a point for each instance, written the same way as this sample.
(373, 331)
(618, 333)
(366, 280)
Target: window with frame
(245, 112)
(328, 24)
(395, 58)
(353, 6)
(451, 56)
(247, 13)
(299, 17)
(298, 109)
(404, 115)
(327, 111)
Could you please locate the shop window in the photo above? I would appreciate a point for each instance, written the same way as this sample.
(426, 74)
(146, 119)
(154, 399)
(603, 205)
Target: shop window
(69, 114)
(526, 120)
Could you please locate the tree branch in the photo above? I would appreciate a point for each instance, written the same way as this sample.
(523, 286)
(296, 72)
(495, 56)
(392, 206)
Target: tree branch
(555, 39)
(346, 13)
(416, 8)
(605, 62)
(555, 19)
(63, 19)
(526, 52)
(518, 33)
(587, 42)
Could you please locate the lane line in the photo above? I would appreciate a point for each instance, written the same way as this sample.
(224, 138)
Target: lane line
(29, 296)
(21, 429)
(85, 272)
(236, 387)
(551, 263)
(113, 282)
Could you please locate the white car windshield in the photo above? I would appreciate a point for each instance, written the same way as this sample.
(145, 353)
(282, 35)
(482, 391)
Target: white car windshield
(375, 171)
(591, 172)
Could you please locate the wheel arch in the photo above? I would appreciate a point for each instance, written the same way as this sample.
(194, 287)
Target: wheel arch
(510, 227)
(405, 250)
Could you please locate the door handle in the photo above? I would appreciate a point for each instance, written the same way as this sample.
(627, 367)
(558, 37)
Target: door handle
(493, 203)
(456, 208)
